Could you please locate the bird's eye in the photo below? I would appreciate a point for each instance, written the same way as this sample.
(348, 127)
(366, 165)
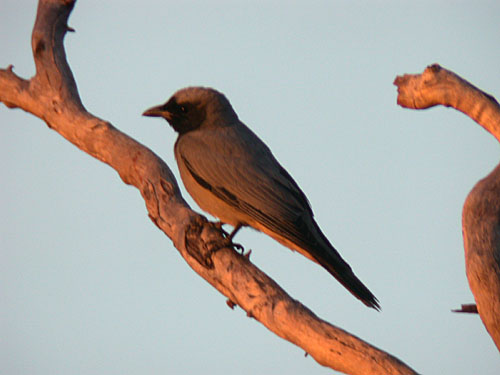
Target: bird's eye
(183, 109)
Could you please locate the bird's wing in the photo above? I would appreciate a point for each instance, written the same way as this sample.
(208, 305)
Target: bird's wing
(237, 167)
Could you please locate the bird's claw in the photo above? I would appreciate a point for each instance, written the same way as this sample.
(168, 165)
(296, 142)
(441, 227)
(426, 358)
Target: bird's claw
(228, 238)
(226, 243)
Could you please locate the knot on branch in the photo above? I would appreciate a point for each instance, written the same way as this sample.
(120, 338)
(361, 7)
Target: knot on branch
(39, 46)
(207, 236)
(435, 68)
(196, 244)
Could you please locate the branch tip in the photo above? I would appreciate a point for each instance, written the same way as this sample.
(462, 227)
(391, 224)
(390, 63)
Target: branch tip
(467, 308)
(435, 68)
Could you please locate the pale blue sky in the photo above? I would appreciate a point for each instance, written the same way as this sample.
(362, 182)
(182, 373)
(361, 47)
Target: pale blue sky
(89, 286)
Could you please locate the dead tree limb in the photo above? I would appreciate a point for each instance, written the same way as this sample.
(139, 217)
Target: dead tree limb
(481, 212)
(467, 309)
(52, 96)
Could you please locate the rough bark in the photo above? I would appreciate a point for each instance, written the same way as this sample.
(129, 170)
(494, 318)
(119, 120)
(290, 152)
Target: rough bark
(481, 212)
(52, 96)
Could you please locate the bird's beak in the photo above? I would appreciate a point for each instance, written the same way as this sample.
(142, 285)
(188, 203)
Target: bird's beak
(157, 111)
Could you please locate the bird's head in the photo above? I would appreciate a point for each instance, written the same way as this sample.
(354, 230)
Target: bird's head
(195, 107)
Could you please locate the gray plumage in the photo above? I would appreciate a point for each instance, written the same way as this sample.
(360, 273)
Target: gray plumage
(233, 175)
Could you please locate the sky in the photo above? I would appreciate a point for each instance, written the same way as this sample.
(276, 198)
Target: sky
(88, 285)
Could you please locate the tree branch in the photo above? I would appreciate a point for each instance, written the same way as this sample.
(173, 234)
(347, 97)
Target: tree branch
(52, 95)
(438, 86)
(467, 308)
(481, 212)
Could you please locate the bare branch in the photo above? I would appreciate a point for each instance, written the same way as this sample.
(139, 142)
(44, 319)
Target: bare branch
(52, 95)
(481, 212)
(438, 86)
(467, 308)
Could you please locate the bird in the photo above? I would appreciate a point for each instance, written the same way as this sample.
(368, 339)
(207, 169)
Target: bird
(231, 174)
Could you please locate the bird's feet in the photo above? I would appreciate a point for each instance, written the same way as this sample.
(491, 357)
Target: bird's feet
(228, 238)
(226, 242)
(195, 234)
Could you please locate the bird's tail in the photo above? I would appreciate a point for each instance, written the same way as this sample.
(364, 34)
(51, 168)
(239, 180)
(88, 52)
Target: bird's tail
(343, 273)
(331, 260)
(313, 244)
